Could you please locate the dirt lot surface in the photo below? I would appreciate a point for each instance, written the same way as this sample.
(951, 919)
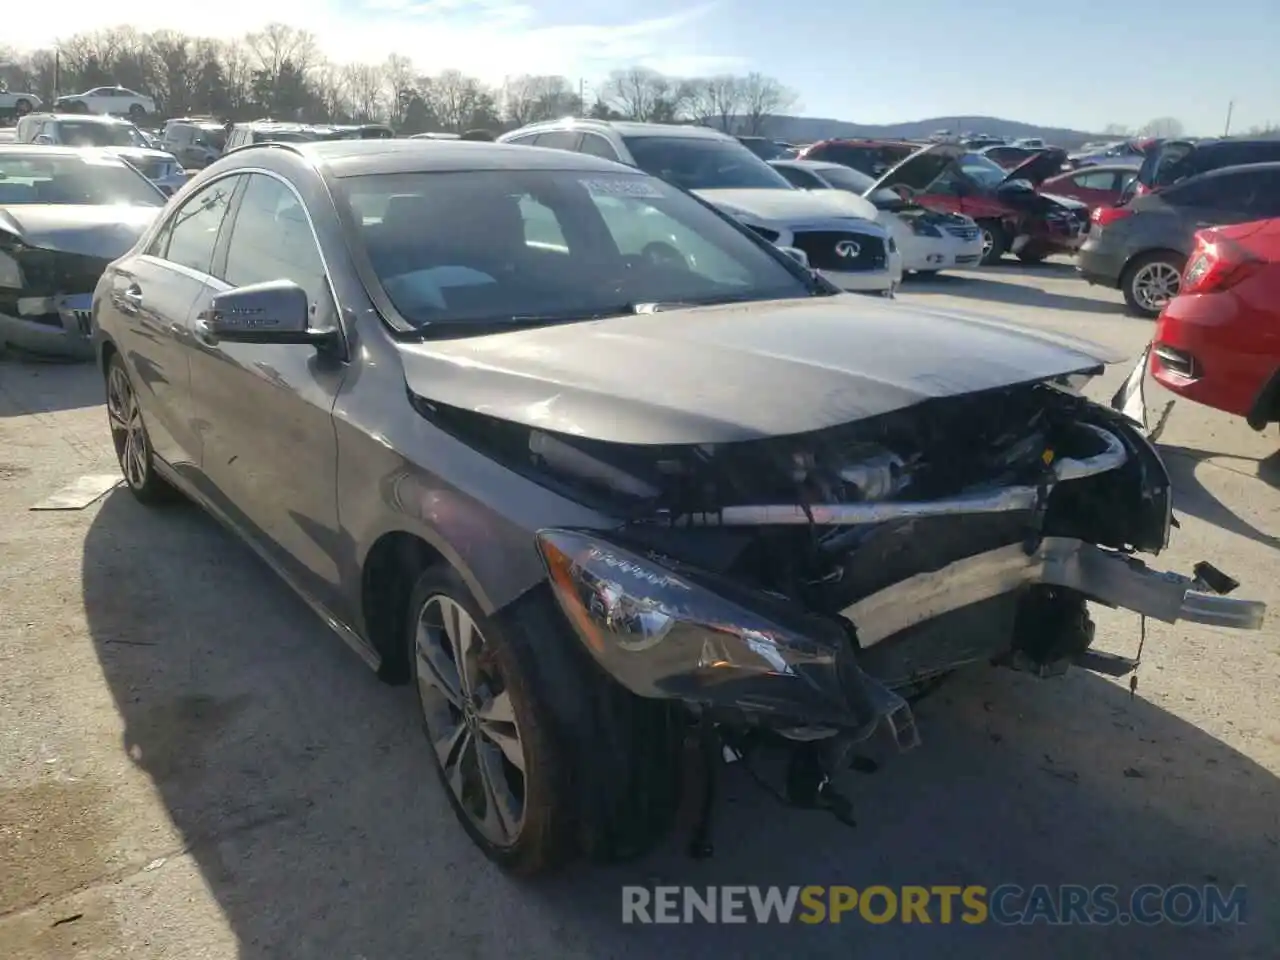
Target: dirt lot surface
(192, 766)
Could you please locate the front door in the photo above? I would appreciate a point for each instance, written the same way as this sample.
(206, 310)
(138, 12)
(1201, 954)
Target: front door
(269, 447)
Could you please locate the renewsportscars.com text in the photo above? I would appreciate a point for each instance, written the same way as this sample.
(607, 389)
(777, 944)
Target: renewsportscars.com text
(1006, 905)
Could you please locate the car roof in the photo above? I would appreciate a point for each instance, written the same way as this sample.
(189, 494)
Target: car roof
(1101, 167)
(809, 164)
(50, 150)
(626, 128)
(1272, 166)
(90, 118)
(352, 158)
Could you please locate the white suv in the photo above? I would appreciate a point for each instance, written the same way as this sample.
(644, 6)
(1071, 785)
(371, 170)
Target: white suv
(852, 252)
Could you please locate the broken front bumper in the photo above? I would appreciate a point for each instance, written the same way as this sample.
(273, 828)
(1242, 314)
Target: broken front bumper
(1107, 577)
(664, 630)
(50, 327)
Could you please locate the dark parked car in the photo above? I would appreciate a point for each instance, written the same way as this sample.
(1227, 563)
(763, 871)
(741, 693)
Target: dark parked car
(1007, 155)
(872, 157)
(583, 497)
(1142, 247)
(65, 213)
(1170, 161)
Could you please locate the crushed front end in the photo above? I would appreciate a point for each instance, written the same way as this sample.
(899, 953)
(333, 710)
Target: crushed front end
(46, 298)
(811, 585)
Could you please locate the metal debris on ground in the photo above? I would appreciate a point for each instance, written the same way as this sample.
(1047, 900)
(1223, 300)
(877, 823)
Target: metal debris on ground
(81, 493)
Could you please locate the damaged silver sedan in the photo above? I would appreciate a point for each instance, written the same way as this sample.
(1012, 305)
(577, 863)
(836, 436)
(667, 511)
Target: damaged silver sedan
(650, 480)
(64, 215)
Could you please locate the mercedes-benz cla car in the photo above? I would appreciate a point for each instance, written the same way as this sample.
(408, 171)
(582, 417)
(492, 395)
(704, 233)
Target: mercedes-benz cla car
(591, 490)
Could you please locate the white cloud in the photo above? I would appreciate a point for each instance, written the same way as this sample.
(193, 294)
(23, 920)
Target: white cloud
(489, 39)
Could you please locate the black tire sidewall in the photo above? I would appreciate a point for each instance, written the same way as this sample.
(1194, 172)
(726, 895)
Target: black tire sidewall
(999, 242)
(544, 841)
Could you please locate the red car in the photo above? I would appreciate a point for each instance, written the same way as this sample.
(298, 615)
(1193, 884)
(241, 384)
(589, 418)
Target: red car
(1218, 341)
(1013, 216)
(1098, 186)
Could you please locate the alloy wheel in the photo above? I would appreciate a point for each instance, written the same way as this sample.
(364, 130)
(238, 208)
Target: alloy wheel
(470, 720)
(988, 241)
(1155, 284)
(127, 432)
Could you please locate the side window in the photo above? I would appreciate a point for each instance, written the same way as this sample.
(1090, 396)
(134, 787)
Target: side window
(526, 140)
(1099, 180)
(1124, 180)
(597, 146)
(272, 240)
(189, 236)
(541, 226)
(642, 230)
(947, 185)
(558, 140)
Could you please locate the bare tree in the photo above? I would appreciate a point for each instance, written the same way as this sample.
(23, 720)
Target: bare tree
(364, 84)
(762, 99)
(278, 45)
(455, 98)
(717, 101)
(529, 99)
(398, 72)
(639, 93)
(1162, 127)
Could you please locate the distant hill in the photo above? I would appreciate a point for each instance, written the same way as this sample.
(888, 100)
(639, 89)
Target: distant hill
(809, 129)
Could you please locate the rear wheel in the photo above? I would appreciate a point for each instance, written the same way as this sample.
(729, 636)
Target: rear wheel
(994, 242)
(1151, 281)
(137, 113)
(77, 106)
(22, 107)
(130, 438)
(1031, 255)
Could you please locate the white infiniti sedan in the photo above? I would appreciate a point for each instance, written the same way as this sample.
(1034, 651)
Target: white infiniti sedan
(929, 240)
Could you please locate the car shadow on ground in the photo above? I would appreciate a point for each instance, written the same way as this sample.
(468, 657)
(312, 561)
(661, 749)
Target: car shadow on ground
(1194, 498)
(303, 790)
(987, 287)
(47, 386)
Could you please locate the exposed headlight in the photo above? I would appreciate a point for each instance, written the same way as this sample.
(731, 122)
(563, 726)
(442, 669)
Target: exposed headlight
(666, 631)
(10, 272)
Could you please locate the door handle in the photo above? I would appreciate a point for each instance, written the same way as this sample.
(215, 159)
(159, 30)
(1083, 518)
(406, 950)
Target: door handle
(131, 298)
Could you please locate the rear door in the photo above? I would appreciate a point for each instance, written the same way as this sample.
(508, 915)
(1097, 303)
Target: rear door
(1219, 199)
(153, 295)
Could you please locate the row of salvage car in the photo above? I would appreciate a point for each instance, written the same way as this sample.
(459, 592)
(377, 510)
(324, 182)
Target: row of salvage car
(596, 466)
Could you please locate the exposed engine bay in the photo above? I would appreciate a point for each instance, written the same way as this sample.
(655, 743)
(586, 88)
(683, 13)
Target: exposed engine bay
(46, 288)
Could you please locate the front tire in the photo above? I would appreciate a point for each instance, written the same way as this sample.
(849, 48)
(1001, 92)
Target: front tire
(22, 107)
(575, 763)
(1150, 281)
(1032, 255)
(137, 113)
(130, 438)
(77, 106)
(994, 242)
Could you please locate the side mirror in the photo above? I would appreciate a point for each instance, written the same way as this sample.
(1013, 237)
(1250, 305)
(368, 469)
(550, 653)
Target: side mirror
(275, 312)
(796, 254)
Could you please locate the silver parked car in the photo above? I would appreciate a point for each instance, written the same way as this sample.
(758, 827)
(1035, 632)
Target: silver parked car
(64, 215)
(588, 463)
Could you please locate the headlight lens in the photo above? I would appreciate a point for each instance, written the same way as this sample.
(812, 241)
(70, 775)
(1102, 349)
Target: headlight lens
(662, 631)
(10, 272)
(922, 228)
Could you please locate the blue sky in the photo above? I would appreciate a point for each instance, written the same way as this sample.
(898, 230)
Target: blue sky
(1082, 65)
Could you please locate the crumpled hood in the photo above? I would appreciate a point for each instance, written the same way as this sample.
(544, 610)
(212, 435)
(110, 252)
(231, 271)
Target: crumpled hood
(94, 231)
(736, 372)
(789, 205)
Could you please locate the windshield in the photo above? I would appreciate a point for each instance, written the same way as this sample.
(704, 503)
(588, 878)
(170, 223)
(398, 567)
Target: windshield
(846, 178)
(765, 149)
(986, 172)
(483, 248)
(97, 181)
(86, 133)
(215, 138)
(703, 163)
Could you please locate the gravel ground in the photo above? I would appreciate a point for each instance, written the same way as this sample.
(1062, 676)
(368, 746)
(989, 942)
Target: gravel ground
(192, 766)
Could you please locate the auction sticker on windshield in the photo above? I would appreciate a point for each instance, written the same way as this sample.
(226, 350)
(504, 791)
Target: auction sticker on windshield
(622, 187)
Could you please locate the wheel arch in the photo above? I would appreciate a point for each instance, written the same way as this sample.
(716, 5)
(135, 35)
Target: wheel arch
(1146, 252)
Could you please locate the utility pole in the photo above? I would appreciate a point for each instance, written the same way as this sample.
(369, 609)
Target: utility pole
(582, 96)
(1231, 105)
